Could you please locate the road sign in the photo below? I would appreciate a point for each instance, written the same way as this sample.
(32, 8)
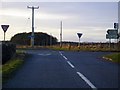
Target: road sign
(112, 31)
(108, 36)
(116, 25)
(79, 35)
(4, 27)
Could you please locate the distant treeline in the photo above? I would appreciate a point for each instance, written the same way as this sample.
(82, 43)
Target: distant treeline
(42, 39)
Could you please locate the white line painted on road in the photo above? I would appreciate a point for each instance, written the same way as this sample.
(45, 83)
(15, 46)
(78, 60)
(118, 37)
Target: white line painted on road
(86, 80)
(48, 54)
(60, 53)
(70, 64)
(80, 74)
(45, 54)
(65, 58)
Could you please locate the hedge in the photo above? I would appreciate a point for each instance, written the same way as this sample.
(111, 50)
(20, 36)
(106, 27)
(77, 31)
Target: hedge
(8, 51)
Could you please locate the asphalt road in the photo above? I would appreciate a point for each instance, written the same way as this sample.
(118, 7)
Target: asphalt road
(65, 69)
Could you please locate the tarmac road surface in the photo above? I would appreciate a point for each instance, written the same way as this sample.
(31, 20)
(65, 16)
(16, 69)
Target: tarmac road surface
(65, 69)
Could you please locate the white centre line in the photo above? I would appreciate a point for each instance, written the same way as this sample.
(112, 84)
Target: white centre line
(60, 53)
(80, 74)
(70, 64)
(65, 58)
(86, 80)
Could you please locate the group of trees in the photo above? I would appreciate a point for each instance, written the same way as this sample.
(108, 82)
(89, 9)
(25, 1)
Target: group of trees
(42, 39)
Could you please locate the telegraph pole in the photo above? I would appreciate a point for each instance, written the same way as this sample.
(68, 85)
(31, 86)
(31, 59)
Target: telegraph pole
(32, 36)
(61, 34)
(50, 39)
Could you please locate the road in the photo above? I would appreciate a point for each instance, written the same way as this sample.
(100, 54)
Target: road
(65, 69)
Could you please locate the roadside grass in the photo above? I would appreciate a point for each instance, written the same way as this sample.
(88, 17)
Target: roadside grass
(8, 68)
(94, 49)
(12, 65)
(71, 48)
(113, 57)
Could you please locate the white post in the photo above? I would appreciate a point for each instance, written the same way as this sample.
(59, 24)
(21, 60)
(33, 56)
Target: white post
(61, 34)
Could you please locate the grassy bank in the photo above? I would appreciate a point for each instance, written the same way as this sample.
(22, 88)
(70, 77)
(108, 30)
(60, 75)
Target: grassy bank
(12, 65)
(71, 48)
(82, 49)
(113, 57)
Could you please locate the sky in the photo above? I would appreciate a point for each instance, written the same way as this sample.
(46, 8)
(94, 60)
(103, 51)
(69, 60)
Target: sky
(92, 19)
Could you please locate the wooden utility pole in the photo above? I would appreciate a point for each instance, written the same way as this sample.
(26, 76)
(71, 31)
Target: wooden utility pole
(32, 36)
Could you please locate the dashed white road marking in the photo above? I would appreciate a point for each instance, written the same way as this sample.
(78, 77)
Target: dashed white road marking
(86, 80)
(48, 54)
(44, 54)
(80, 74)
(60, 53)
(65, 58)
(70, 64)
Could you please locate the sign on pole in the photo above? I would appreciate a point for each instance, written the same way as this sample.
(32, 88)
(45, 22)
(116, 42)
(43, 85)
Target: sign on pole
(4, 27)
(112, 31)
(112, 36)
(79, 35)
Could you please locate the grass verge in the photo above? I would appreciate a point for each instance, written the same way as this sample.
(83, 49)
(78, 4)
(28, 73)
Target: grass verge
(12, 65)
(113, 57)
(94, 49)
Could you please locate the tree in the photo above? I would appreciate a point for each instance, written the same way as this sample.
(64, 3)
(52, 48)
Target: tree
(42, 39)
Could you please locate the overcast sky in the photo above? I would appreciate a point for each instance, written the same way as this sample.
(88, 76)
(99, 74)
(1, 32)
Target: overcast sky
(90, 18)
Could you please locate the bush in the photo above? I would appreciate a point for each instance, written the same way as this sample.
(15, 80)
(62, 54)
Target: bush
(8, 51)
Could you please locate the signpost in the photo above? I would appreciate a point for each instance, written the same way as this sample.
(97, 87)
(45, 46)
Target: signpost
(112, 33)
(79, 36)
(4, 27)
(112, 36)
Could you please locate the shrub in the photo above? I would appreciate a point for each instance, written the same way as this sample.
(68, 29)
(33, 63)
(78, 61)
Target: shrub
(8, 51)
